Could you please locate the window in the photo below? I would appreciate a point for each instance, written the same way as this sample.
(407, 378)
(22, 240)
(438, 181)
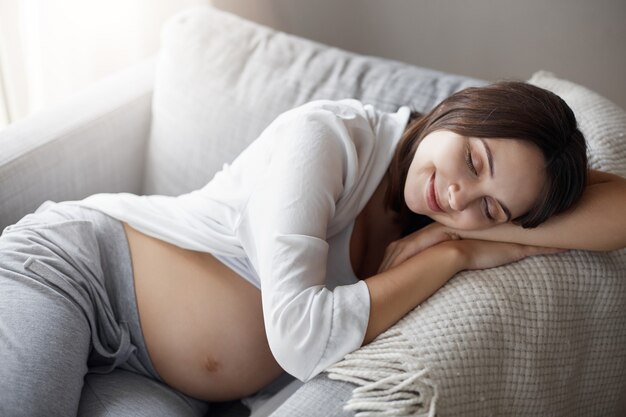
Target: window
(49, 49)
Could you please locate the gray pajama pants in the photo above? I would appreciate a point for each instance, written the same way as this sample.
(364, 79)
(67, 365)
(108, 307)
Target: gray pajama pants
(70, 338)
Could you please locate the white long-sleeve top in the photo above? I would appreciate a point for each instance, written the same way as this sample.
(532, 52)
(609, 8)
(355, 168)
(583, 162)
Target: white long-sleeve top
(297, 187)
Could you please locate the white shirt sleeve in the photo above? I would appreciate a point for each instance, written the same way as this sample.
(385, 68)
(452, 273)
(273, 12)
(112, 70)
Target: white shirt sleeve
(283, 231)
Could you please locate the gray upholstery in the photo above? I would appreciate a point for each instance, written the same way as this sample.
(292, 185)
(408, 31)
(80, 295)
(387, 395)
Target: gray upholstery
(220, 80)
(167, 127)
(93, 142)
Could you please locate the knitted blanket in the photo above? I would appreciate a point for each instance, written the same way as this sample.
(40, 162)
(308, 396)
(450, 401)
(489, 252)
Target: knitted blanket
(543, 336)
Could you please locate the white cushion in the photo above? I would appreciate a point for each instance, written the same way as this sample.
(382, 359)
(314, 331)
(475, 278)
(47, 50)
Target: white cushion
(602, 122)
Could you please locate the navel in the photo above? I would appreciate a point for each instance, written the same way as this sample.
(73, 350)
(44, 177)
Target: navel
(210, 364)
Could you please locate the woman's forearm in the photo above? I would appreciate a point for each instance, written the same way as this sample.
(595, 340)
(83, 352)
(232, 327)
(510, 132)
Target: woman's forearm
(597, 222)
(397, 291)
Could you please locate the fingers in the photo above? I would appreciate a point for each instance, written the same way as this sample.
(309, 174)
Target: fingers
(486, 254)
(384, 264)
(390, 257)
(401, 250)
(543, 250)
(394, 254)
(524, 251)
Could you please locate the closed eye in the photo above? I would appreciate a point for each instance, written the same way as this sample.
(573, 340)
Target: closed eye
(468, 159)
(470, 164)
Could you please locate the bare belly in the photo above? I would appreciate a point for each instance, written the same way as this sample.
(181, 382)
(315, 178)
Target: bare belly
(202, 322)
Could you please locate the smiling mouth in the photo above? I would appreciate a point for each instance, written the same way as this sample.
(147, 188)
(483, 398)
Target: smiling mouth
(431, 196)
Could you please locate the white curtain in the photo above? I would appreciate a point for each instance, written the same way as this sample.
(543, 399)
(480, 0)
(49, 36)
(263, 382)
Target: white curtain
(49, 49)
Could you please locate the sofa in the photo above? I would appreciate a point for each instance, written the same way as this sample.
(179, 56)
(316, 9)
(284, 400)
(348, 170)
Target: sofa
(543, 336)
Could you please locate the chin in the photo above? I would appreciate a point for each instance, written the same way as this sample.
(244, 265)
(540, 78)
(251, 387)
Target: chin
(422, 211)
(413, 206)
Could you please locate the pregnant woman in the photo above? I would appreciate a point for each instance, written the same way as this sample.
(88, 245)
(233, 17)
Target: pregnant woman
(332, 225)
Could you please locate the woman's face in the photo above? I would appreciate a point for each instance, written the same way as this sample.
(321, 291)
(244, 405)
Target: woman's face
(473, 183)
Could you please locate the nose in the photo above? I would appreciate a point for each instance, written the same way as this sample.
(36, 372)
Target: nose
(459, 197)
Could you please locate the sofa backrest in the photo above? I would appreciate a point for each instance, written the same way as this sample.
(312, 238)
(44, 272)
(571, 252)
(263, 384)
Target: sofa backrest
(220, 80)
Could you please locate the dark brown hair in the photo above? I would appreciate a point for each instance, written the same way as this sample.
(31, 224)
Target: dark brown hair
(508, 110)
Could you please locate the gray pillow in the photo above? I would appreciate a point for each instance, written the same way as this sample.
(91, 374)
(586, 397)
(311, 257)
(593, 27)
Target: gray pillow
(221, 79)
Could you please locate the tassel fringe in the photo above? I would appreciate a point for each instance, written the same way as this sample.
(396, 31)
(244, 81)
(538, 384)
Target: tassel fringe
(390, 381)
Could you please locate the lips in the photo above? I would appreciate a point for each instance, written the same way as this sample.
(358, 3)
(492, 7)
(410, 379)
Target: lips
(431, 196)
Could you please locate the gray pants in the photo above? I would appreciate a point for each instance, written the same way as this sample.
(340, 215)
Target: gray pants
(70, 337)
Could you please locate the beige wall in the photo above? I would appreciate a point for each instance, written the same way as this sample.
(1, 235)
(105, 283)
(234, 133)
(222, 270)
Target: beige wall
(581, 40)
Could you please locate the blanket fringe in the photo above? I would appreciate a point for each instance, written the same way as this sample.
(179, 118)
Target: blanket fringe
(390, 381)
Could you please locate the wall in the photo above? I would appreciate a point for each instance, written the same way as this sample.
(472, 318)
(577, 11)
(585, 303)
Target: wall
(580, 40)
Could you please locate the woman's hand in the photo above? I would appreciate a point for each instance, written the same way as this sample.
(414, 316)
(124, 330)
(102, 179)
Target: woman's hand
(482, 254)
(478, 254)
(400, 250)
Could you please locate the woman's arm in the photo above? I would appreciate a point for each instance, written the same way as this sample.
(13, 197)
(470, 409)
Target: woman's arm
(597, 222)
(397, 290)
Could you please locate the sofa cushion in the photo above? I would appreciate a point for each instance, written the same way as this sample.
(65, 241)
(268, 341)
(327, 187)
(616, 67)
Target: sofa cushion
(602, 122)
(221, 79)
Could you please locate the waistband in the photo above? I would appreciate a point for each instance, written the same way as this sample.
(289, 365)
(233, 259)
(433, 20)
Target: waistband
(118, 281)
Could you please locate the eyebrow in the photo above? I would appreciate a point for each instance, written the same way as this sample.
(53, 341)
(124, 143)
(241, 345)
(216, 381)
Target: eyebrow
(490, 160)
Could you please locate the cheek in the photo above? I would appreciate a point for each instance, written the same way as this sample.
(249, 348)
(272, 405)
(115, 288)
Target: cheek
(466, 220)
(412, 193)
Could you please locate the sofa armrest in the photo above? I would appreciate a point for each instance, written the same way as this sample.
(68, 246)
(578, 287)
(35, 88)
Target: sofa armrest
(94, 142)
